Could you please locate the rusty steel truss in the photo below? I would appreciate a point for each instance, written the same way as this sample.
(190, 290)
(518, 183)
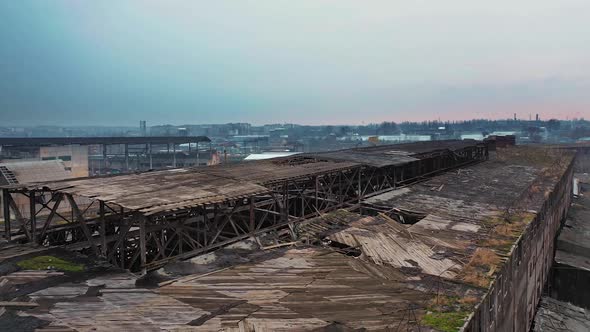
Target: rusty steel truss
(132, 240)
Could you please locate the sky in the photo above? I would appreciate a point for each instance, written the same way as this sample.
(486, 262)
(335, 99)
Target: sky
(282, 61)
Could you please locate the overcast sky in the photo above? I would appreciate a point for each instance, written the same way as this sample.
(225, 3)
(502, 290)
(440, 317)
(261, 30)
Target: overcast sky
(304, 61)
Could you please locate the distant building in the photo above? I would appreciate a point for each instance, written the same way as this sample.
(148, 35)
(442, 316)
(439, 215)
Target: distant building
(142, 128)
(250, 143)
(21, 172)
(74, 157)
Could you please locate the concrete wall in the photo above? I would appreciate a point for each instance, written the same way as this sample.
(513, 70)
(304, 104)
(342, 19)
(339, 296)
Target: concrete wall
(512, 299)
(77, 155)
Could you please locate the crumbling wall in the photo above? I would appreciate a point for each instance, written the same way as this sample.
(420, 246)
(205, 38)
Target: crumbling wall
(510, 303)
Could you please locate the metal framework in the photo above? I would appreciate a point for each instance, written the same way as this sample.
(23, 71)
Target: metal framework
(140, 241)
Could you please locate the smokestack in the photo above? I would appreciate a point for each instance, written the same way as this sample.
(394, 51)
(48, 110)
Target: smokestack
(537, 117)
(514, 116)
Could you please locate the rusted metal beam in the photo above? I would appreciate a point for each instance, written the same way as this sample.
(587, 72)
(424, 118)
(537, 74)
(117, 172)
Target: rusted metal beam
(19, 217)
(49, 219)
(182, 233)
(252, 216)
(6, 210)
(120, 238)
(33, 216)
(142, 244)
(102, 229)
(82, 223)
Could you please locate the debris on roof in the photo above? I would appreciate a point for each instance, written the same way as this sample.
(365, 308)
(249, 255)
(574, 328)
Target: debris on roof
(423, 255)
(554, 316)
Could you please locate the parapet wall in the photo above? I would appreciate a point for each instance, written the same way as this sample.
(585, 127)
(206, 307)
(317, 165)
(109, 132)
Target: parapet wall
(513, 296)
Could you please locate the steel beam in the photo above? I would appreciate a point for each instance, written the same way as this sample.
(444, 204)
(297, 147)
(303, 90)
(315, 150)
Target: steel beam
(33, 216)
(150, 155)
(173, 155)
(49, 219)
(6, 209)
(127, 157)
(103, 229)
(142, 244)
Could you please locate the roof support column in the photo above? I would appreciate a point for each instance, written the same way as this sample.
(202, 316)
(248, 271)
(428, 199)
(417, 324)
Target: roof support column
(287, 196)
(360, 195)
(317, 189)
(104, 156)
(301, 193)
(58, 198)
(142, 245)
(252, 216)
(173, 154)
(33, 216)
(82, 223)
(126, 157)
(150, 155)
(340, 195)
(6, 209)
(103, 230)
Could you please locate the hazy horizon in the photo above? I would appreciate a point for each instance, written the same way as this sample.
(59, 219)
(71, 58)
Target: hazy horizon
(111, 63)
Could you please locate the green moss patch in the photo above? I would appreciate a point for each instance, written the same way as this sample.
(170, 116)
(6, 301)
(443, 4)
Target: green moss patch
(50, 262)
(445, 321)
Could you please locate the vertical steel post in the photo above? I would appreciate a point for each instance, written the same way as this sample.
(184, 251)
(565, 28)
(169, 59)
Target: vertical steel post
(173, 154)
(127, 157)
(150, 155)
(360, 194)
(147, 148)
(91, 162)
(33, 216)
(104, 156)
(340, 194)
(142, 244)
(317, 189)
(6, 207)
(103, 230)
(252, 216)
(198, 161)
(285, 212)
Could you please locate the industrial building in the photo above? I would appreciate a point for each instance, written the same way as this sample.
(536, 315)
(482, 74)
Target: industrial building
(22, 172)
(86, 156)
(429, 235)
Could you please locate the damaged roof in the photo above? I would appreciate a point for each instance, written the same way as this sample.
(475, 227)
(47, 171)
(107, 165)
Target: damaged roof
(169, 190)
(395, 154)
(393, 269)
(152, 192)
(554, 316)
